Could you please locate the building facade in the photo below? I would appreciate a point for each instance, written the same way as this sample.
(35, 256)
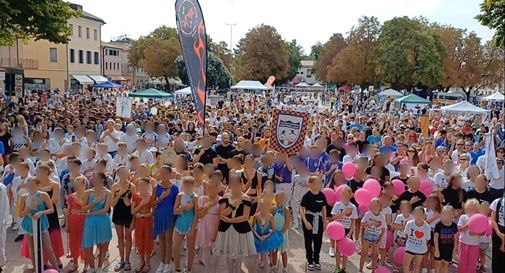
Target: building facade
(115, 64)
(59, 66)
(305, 72)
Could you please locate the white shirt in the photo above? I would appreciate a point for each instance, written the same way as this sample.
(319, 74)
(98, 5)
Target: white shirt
(441, 181)
(145, 156)
(468, 185)
(402, 220)
(54, 146)
(163, 140)
(131, 142)
(340, 207)
(16, 182)
(86, 164)
(119, 160)
(501, 213)
(465, 236)
(111, 145)
(348, 158)
(417, 237)
(380, 223)
(498, 183)
(429, 214)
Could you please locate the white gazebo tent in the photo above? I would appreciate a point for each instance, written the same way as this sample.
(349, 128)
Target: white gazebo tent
(463, 107)
(250, 85)
(390, 93)
(183, 91)
(495, 97)
(302, 84)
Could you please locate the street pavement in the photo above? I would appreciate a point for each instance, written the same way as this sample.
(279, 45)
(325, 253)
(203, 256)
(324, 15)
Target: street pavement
(17, 264)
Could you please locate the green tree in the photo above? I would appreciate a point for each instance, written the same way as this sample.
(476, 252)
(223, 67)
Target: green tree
(39, 20)
(315, 50)
(409, 54)
(222, 51)
(330, 49)
(157, 62)
(260, 54)
(218, 76)
(295, 53)
(159, 57)
(357, 63)
(493, 16)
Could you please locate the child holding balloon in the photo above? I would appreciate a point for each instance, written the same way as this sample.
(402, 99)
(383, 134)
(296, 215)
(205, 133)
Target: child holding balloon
(469, 240)
(346, 213)
(373, 228)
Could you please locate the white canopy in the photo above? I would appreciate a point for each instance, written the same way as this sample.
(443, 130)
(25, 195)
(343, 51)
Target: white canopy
(463, 107)
(496, 96)
(302, 84)
(316, 85)
(98, 78)
(252, 85)
(390, 93)
(83, 79)
(183, 91)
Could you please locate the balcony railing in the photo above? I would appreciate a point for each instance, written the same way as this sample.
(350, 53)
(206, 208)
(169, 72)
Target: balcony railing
(24, 63)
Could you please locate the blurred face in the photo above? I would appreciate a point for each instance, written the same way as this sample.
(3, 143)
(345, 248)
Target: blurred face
(419, 214)
(235, 185)
(41, 173)
(280, 198)
(315, 185)
(122, 173)
(79, 185)
(32, 186)
(144, 186)
(226, 139)
(97, 180)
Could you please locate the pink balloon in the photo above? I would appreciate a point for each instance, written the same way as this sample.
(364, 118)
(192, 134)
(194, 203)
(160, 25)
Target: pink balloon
(398, 187)
(338, 191)
(489, 230)
(331, 196)
(363, 209)
(425, 187)
(363, 197)
(382, 269)
(50, 271)
(346, 246)
(335, 230)
(349, 169)
(389, 239)
(478, 223)
(398, 255)
(373, 186)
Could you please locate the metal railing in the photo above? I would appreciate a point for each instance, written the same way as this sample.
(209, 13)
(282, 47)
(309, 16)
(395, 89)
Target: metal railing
(24, 63)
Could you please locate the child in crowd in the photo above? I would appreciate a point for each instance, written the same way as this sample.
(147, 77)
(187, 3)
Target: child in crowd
(185, 224)
(485, 240)
(400, 221)
(208, 215)
(346, 213)
(385, 201)
(282, 219)
(373, 228)
(142, 209)
(417, 233)
(266, 237)
(468, 241)
(444, 240)
(432, 210)
(313, 212)
(75, 220)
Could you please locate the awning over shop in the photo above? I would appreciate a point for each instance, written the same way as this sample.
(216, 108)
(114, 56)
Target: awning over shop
(83, 79)
(98, 78)
(118, 78)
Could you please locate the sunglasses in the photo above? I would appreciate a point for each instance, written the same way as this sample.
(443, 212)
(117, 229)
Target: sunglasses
(463, 159)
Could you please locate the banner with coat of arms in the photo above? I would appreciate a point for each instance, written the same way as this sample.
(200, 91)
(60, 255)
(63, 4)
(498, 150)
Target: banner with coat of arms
(288, 130)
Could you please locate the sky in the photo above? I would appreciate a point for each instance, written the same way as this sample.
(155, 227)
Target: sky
(307, 21)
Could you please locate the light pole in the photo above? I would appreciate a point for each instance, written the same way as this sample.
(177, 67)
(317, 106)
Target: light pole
(231, 35)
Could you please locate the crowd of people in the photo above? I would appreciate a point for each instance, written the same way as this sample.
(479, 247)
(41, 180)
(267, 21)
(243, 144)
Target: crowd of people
(165, 185)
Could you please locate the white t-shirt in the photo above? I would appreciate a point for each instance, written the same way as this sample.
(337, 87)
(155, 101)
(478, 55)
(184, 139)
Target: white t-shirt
(111, 145)
(501, 213)
(441, 181)
(498, 183)
(340, 207)
(417, 237)
(380, 223)
(131, 142)
(465, 236)
(429, 214)
(146, 157)
(468, 185)
(387, 211)
(401, 220)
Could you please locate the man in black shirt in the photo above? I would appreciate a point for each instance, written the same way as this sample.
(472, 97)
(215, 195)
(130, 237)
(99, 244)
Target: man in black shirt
(239, 148)
(224, 152)
(205, 154)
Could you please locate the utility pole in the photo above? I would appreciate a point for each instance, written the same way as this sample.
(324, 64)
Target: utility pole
(231, 35)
